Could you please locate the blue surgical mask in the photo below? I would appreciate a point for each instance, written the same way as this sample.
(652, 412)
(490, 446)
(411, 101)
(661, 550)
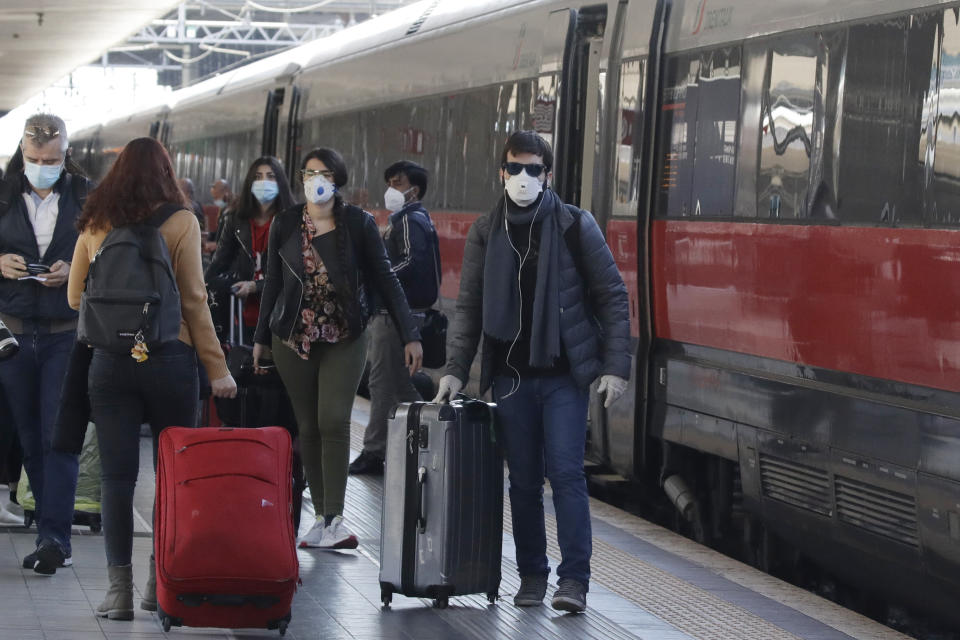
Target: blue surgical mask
(42, 176)
(264, 190)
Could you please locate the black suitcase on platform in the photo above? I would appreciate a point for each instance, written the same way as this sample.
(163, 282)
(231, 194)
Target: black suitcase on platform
(262, 400)
(442, 530)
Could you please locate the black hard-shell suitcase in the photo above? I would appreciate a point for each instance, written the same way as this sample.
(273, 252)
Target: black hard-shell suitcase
(442, 531)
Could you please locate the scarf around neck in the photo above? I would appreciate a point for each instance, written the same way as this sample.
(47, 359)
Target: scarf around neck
(501, 294)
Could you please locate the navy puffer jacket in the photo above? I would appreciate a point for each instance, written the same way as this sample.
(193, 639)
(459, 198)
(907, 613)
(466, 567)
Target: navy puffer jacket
(594, 329)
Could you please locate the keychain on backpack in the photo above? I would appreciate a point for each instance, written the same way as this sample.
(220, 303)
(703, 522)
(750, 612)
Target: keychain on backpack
(139, 351)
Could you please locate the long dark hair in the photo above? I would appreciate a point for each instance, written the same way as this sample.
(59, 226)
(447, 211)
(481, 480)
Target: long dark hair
(246, 206)
(141, 179)
(334, 162)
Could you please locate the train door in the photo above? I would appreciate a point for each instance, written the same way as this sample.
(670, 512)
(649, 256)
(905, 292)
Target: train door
(579, 85)
(611, 66)
(290, 134)
(271, 121)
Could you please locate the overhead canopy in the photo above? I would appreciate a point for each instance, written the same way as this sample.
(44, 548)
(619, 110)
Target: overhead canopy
(43, 40)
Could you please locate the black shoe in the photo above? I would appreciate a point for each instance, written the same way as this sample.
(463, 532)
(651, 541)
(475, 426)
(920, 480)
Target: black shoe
(532, 591)
(50, 557)
(367, 463)
(30, 561)
(570, 596)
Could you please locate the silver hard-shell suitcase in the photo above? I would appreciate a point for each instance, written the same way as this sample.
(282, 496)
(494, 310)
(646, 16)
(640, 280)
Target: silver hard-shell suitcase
(442, 531)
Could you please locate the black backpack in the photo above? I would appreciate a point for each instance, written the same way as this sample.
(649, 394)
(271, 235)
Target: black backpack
(131, 292)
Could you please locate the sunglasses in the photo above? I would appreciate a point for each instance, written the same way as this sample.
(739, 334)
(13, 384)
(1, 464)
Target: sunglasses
(533, 170)
(36, 130)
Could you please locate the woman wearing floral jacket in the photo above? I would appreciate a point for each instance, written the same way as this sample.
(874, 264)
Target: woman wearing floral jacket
(326, 266)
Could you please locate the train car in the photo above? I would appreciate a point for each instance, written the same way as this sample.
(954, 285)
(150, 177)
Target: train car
(777, 183)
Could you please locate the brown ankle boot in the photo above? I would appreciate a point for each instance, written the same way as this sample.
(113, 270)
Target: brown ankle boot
(118, 604)
(149, 600)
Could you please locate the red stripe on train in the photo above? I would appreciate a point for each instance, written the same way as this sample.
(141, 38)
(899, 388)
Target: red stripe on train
(877, 302)
(452, 228)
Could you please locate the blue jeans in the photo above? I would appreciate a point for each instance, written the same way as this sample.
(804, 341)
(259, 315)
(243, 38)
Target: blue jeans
(32, 381)
(162, 391)
(544, 425)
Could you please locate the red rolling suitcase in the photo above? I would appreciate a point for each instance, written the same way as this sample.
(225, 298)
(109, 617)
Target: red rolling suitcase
(224, 539)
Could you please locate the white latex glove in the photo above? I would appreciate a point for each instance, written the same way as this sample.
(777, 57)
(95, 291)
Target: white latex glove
(614, 386)
(449, 387)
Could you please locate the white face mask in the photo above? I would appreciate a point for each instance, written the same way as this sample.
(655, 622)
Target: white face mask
(394, 199)
(318, 189)
(523, 189)
(220, 202)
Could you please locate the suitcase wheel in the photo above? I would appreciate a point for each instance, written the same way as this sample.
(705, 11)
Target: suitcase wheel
(165, 623)
(27, 517)
(492, 597)
(386, 596)
(282, 627)
(96, 523)
(441, 603)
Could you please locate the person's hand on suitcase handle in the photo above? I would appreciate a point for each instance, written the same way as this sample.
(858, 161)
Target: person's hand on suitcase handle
(413, 355)
(225, 387)
(243, 289)
(449, 387)
(262, 359)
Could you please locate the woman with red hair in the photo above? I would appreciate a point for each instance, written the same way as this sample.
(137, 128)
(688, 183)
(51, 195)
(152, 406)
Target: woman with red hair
(160, 389)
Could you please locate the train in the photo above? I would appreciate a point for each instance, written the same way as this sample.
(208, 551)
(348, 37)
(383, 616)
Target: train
(779, 184)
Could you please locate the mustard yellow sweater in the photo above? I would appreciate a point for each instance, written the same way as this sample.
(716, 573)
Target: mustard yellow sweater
(182, 234)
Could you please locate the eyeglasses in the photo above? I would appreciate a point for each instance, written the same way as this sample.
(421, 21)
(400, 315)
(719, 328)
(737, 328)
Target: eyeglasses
(34, 131)
(533, 170)
(309, 174)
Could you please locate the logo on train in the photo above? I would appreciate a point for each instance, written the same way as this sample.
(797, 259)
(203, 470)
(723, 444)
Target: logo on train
(704, 20)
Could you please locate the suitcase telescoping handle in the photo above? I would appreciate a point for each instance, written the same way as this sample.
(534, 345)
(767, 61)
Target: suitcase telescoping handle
(236, 318)
(421, 499)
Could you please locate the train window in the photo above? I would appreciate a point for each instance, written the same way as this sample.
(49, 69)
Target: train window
(887, 76)
(715, 148)
(786, 127)
(677, 122)
(471, 147)
(698, 138)
(943, 203)
(545, 107)
(627, 167)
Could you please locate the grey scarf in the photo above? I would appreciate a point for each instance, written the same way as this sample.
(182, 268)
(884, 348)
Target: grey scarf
(501, 295)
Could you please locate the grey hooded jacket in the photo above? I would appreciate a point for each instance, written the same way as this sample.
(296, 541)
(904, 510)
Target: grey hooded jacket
(594, 329)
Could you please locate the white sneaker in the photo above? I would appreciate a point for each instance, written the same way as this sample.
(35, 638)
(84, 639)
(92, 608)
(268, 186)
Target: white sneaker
(336, 536)
(313, 537)
(8, 519)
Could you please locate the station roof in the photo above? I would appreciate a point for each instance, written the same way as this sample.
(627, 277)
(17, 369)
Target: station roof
(40, 42)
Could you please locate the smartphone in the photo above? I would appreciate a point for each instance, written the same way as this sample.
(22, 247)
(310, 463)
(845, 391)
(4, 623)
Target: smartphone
(36, 269)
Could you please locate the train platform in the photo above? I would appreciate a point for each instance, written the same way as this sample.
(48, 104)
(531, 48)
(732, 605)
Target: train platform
(648, 584)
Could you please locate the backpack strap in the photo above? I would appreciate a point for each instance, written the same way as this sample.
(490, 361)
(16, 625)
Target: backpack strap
(572, 238)
(80, 187)
(162, 214)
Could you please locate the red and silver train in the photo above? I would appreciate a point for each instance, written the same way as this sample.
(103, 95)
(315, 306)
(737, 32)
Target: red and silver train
(779, 183)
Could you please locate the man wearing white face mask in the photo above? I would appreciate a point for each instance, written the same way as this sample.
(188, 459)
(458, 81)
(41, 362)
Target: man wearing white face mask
(540, 287)
(39, 207)
(411, 242)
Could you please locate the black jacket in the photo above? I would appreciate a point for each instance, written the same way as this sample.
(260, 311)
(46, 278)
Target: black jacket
(414, 251)
(234, 254)
(594, 309)
(367, 265)
(28, 299)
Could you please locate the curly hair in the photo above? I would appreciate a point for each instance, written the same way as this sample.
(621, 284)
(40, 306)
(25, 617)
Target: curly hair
(141, 179)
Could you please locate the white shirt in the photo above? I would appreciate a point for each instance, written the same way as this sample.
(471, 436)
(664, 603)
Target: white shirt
(43, 216)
